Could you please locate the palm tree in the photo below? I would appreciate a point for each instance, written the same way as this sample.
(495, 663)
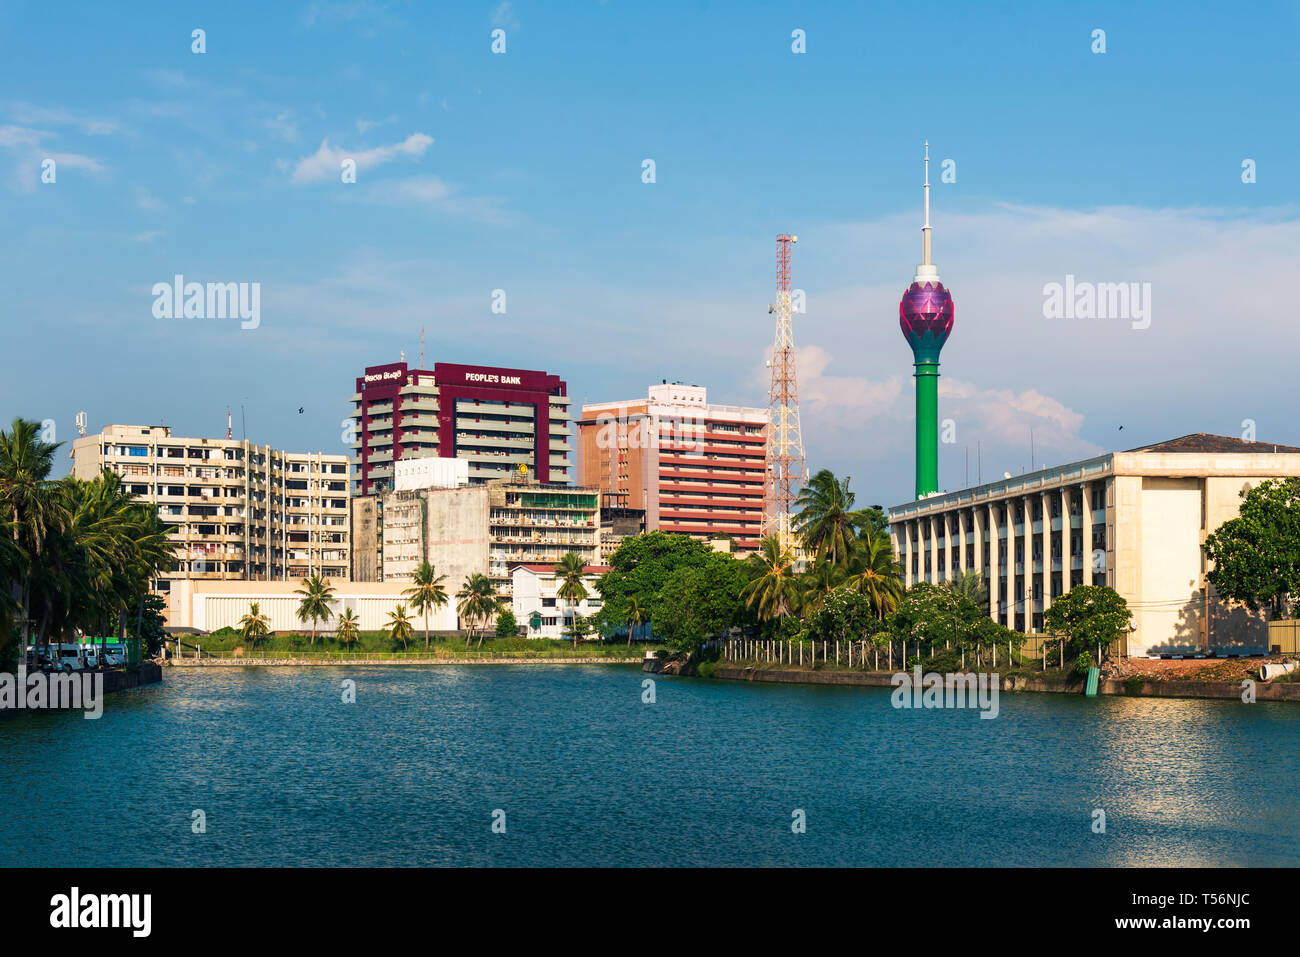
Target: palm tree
(254, 626)
(478, 603)
(873, 571)
(826, 519)
(569, 571)
(348, 628)
(773, 589)
(27, 500)
(317, 596)
(816, 583)
(969, 584)
(426, 592)
(399, 626)
(634, 616)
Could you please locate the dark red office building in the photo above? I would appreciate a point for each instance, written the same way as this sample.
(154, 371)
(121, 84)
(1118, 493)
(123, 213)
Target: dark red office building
(496, 419)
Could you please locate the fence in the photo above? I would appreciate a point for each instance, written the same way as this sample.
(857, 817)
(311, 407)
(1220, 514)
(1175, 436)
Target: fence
(1033, 651)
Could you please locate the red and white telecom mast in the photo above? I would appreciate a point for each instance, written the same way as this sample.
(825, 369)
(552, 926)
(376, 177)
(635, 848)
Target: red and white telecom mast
(785, 457)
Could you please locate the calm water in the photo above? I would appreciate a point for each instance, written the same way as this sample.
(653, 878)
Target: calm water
(589, 775)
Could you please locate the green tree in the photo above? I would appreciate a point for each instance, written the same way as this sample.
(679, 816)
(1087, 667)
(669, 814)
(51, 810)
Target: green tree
(317, 597)
(815, 583)
(641, 565)
(969, 584)
(1256, 555)
(873, 571)
(254, 626)
(633, 616)
(773, 591)
(695, 604)
(28, 501)
(399, 626)
(578, 628)
(477, 604)
(426, 593)
(1088, 616)
(569, 573)
(348, 628)
(825, 520)
(845, 615)
(507, 624)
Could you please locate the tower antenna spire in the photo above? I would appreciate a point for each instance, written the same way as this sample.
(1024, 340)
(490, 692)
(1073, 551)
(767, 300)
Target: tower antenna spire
(925, 227)
(784, 456)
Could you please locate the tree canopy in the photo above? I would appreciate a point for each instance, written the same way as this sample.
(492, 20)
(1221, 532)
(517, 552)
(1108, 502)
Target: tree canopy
(1256, 555)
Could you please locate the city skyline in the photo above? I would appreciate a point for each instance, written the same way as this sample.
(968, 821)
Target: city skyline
(480, 172)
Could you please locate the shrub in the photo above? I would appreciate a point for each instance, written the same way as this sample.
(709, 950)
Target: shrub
(1133, 685)
(506, 624)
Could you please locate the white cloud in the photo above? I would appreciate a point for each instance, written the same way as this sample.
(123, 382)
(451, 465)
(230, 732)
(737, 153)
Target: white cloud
(504, 16)
(326, 163)
(30, 151)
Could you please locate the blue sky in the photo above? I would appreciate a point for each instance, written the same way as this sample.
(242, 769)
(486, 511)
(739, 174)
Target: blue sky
(522, 172)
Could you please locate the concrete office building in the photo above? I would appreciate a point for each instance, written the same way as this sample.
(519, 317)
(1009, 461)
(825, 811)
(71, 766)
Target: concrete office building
(495, 419)
(486, 529)
(239, 510)
(694, 467)
(1132, 520)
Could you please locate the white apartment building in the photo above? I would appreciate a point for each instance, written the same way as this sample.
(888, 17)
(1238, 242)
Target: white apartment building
(240, 511)
(536, 603)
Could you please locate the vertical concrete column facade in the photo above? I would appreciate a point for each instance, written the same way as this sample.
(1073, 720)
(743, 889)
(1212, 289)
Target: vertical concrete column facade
(1045, 576)
(994, 576)
(933, 577)
(1067, 540)
(1027, 562)
(1087, 533)
(977, 527)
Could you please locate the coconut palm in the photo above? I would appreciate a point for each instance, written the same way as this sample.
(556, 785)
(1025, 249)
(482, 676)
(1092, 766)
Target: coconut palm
(815, 584)
(569, 572)
(873, 571)
(773, 590)
(317, 596)
(254, 626)
(399, 626)
(348, 628)
(478, 603)
(634, 616)
(427, 591)
(969, 584)
(826, 519)
(27, 500)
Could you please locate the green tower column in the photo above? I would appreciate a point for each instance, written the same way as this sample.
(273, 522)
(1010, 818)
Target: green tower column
(927, 428)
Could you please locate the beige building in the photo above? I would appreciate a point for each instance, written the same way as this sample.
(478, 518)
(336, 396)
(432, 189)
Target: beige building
(1133, 520)
(238, 510)
(206, 606)
(486, 529)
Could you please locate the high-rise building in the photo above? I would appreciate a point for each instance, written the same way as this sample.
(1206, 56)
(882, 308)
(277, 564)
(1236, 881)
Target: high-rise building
(925, 315)
(238, 510)
(496, 419)
(695, 468)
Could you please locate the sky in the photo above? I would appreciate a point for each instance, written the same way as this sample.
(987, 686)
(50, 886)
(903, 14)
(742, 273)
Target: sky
(1169, 160)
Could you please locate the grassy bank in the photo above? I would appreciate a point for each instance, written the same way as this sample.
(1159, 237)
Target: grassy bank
(227, 642)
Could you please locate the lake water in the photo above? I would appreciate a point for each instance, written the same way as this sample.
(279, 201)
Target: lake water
(588, 774)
